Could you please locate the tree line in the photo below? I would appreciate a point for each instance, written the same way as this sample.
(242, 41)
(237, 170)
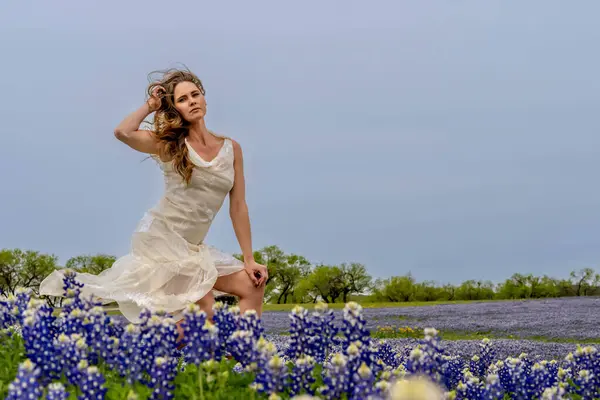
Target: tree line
(294, 279)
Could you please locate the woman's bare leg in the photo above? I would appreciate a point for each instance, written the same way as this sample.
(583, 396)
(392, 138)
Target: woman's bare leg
(206, 305)
(240, 285)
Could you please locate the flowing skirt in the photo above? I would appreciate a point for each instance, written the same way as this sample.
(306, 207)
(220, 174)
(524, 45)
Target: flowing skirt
(163, 271)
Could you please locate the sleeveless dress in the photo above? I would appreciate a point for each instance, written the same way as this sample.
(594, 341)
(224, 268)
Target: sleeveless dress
(169, 266)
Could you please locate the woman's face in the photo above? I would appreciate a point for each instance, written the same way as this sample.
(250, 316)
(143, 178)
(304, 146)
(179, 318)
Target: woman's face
(189, 101)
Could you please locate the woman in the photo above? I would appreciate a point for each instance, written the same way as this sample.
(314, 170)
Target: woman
(169, 266)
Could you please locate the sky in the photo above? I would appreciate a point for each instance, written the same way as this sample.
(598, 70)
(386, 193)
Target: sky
(453, 140)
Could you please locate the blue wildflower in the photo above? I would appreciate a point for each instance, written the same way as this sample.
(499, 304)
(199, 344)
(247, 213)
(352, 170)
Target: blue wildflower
(25, 385)
(336, 377)
(364, 383)
(56, 391)
(72, 351)
(354, 325)
(200, 336)
(271, 378)
(162, 376)
(38, 332)
(301, 376)
(242, 348)
(130, 354)
(470, 387)
(493, 388)
(225, 320)
(386, 354)
(249, 321)
(92, 384)
(298, 343)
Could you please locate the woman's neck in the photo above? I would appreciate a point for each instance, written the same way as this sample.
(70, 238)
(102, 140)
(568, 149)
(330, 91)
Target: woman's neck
(199, 132)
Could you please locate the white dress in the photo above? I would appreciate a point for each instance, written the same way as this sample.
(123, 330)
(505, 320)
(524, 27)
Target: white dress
(169, 266)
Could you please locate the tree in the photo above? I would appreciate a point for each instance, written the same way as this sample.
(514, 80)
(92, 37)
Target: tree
(516, 287)
(289, 274)
(24, 269)
(93, 264)
(396, 288)
(325, 281)
(584, 281)
(427, 291)
(355, 279)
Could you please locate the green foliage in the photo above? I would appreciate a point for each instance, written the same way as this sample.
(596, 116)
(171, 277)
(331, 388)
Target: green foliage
(93, 264)
(518, 286)
(293, 279)
(20, 268)
(12, 353)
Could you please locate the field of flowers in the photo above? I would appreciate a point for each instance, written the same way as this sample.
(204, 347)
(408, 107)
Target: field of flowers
(563, 318)
(83, 353)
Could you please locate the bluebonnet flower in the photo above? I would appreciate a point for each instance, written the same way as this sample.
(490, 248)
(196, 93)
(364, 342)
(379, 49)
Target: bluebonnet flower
(477, 367)
(515, 378)
(72, 293)
(161, 336)
(420, 362)
(321, 332)
(470, 387)
(22, 298)
(313, 334)
(71, 351)
(451, 370)
(56, 391)
(386, 354)
(541, 376)
(200, 336)
(298, 343)
(487, 353)
(102, 335)
(585, 384)
(162, 376)
(130, 354)
(243, 349)
(225, 320)
(25, 385)
(493, 389)
(38, 333)
(302, 377)
(271, 377)
(428, 358)
(92, 384)
(554, 393)
(249, 321)
(336, 377)
(354, 325)
(364, 383)
(588, 358)
(9, 312)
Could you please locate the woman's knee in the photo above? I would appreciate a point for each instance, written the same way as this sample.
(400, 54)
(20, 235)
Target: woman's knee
(238, 284)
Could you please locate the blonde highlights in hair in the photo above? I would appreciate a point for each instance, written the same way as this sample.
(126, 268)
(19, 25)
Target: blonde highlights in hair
(169, 127)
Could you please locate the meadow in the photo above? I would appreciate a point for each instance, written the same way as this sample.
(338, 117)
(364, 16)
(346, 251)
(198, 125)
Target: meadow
(82, 352)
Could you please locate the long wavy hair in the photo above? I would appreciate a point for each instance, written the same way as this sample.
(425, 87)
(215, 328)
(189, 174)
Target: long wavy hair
(169, 127)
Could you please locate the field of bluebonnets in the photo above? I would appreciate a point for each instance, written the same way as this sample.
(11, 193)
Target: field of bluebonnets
(81, 352)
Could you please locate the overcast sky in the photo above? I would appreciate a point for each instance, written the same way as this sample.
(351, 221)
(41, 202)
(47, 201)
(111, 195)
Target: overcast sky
(452, 139)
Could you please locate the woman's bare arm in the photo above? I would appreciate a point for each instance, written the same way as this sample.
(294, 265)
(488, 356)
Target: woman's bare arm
(238, 209)
(129, 133)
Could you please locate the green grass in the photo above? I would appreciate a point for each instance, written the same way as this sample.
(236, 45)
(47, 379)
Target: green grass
(339, 306)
